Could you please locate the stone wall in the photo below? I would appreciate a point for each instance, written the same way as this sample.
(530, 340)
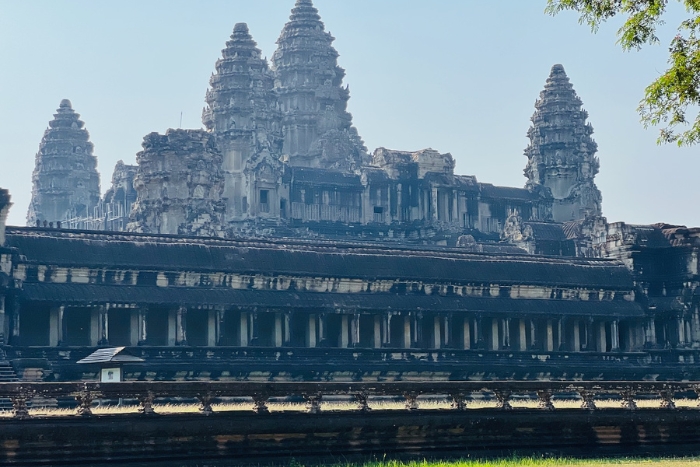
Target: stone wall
(179, 185)
(5, 206)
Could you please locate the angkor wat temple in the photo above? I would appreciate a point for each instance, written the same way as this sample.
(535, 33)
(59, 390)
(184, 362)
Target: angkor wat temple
(272, 245)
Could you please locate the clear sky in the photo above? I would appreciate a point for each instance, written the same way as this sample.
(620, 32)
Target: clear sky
(459, 76)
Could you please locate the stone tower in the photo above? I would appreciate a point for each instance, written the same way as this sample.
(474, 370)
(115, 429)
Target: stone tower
(66, 184)
(242, 113)
(561, 154)
(317, 128)
(178, 184)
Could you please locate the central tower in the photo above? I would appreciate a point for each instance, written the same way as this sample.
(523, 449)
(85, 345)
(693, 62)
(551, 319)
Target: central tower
(317, 127)
(561, 154)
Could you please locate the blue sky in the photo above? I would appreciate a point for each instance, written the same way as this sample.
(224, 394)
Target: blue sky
(459, 76)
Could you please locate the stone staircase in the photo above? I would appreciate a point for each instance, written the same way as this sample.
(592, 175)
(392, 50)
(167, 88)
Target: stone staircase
(7, 375)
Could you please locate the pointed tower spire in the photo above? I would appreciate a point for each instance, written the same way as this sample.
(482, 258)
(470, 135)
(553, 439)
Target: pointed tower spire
(561, 153)
(242, 113)
(66, 183)
(317, 128)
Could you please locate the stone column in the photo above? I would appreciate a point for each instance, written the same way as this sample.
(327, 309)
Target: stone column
(533, 335)
(181, 326)
(561, 334)
(220, 326)
(447, 331)
(522, 335)
(680, 325)
(172, 327)
(399, 207)
(602, 337)
(688, 334)
(386, 330)
(322, 329)
(588, 336)
(549, 337)
(479, 332)
(494, 334)
(3, 317)
(311, 333)
(407, 332)
(143, 325)
(437, 338)
(614, 336)
(696, 328)
(466, 334)
(650, 333)
(103, 325)
(505, 334)
(278, 337)
(576, 337)
(355, 330)
(243, 329)
(344, 331)
(377, 332)
(134, 330)
(455, 208)
(434, 202)
(254, 328)
(417, 320)
(287, 328)
(212, 328)
(56, 326)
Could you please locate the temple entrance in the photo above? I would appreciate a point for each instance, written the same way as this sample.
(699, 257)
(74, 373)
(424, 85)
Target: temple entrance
(299, 327)
(263, 335)
(119, 327)
(366, 331)
(157, 327)
(76, 325)
(397, 331)
(232, 329)
(198, 328)
(333, 330)
(34, 324)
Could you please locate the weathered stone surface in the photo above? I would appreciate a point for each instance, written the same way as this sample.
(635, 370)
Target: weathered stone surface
(179, 185)
(317, 128)
(243, 115)
(118, 200)
(561, 154)
(66, 184)
(5, 206)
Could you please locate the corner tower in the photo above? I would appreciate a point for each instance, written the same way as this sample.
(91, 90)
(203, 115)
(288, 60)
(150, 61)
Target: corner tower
(561, 154)
(242, 113)
(317, 127)
(66, 184)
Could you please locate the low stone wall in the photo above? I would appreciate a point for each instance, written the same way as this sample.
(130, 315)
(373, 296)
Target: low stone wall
(234, 438)
(260, 436)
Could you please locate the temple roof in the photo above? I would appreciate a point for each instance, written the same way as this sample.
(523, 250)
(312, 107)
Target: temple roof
(298, 258)
(85, 294)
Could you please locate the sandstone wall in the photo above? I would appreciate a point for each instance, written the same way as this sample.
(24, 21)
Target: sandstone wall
(179, 185)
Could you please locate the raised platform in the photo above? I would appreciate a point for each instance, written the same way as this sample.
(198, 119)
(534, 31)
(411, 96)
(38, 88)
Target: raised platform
(260, 436)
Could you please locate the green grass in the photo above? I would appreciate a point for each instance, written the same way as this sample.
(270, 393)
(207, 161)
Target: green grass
(532, 462)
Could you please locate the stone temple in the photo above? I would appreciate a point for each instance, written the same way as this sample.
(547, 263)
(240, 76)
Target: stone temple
(273, 227)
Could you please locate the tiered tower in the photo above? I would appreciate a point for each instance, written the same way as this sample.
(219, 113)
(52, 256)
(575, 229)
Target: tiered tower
(317, 128)
(242, 113)
(66, 184)
(561, 154)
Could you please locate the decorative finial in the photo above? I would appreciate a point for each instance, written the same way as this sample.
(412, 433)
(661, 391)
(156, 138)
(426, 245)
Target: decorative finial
(241, 27)
(65, 104)
(558, 68)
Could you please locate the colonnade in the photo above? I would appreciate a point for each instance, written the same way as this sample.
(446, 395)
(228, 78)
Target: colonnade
(218, 326)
